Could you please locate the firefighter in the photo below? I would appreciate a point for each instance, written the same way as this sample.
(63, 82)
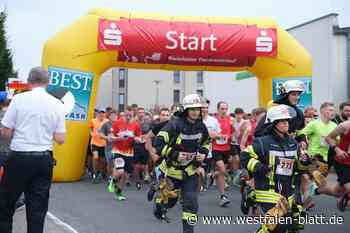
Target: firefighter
(183, 143)
(289, 94)
(273, 162)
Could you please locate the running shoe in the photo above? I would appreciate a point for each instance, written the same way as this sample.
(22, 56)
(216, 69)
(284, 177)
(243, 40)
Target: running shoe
(342, 202)
(224, 201)
(120, 196)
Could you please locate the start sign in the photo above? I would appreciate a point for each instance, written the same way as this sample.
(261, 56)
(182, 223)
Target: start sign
(185, 43)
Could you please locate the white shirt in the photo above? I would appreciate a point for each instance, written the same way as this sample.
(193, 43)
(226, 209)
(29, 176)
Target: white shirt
(213, 126)
(34, 116)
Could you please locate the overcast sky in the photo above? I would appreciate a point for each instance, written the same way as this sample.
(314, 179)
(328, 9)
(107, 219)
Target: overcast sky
(31, 22)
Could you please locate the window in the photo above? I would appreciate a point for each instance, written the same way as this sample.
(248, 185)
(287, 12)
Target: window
(177, 77)
(121, 105)
(121, 98)
(200, 92)
(176, 96)
(122, 73)
(200, 78)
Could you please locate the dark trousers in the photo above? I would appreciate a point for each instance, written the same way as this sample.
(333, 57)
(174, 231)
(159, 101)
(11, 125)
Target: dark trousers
(29, 173)
(189, 194)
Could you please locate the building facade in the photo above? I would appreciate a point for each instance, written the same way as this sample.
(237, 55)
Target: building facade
(327, 44)
(120, 87)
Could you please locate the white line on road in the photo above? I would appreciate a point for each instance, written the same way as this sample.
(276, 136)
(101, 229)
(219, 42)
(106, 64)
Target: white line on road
(61, 223)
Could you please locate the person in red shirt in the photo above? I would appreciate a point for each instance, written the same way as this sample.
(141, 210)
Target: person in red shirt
(341, 162)
(222, 150)
(124, 132)
(246, 136)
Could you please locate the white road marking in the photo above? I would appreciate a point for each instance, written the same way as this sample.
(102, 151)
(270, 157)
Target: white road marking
(59, 222)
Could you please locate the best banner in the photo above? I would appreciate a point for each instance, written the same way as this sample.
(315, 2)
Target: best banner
(186, 43)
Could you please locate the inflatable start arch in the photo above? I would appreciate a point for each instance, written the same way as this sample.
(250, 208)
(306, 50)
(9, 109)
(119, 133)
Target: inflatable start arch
(77, 56)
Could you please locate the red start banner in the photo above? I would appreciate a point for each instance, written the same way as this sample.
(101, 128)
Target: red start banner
(186, 43)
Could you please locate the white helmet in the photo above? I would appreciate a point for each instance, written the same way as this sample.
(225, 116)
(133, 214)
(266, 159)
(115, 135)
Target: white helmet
(292, 85)
(192, 101)
(279, 112)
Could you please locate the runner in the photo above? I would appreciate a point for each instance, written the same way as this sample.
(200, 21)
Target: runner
(273, 161)
(238, 122)
(124, 133)
(213, 127)
(246, 181)
(222, 150)
(141, 154)
(310, 113)
(104, 132)
(316, 132)
(155, 160)
(184, 144)
(344, 113)
(97, 147)
(290, 93)
(342, 161)
(109, 110)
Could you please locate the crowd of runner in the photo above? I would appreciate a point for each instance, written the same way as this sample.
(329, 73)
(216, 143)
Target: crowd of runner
(279, 156)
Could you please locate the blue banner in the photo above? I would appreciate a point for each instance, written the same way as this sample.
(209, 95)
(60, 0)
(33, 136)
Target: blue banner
(306, 97)
(79, 84)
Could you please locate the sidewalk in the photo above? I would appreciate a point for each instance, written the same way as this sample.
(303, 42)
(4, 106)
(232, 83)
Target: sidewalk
(20, 225)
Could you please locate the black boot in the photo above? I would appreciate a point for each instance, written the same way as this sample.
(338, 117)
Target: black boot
(160, 212)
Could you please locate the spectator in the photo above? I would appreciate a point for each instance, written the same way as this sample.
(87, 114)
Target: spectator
(33, 120)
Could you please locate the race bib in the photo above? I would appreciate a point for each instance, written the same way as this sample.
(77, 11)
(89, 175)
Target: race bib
(285, 167)
(130, 133)
(119, 163)
(222, 140)
(189, 158)
(126, 133)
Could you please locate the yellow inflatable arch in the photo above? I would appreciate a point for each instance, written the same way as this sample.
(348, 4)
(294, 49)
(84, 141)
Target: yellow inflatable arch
(77, 56)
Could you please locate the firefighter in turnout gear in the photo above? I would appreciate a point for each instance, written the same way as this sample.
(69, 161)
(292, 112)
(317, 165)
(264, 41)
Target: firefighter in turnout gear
(273, 160)
(289, 94)
(183, 144)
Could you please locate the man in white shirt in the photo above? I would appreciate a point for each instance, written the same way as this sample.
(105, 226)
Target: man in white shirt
(33, 121)
(213, 127)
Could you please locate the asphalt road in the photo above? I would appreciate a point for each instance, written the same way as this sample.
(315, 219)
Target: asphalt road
(84, 207)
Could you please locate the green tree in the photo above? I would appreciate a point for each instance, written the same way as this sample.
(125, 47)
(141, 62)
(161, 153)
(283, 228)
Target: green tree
(6, 65)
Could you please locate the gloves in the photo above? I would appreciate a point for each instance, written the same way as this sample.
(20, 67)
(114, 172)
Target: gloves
(318, 170)
(166, 189)
(279, 210)
(322, 167)
(319, 178)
